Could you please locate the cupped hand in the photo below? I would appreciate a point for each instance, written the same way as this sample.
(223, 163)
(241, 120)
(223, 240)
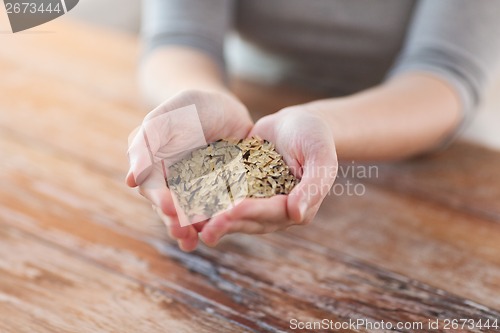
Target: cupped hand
(307, 145)
(188, 120)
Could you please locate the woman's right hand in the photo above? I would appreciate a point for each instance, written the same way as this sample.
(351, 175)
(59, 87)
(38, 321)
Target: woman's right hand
(187, 120)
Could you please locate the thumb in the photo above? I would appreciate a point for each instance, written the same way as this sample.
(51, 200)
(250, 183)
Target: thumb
(140, 157)
(318, 175)
(130, 179)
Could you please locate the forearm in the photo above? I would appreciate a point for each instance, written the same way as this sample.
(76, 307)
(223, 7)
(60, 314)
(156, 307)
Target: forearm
(408, 115)
(169, 70)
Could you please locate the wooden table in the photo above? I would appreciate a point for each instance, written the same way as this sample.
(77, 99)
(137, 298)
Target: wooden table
(80, 252)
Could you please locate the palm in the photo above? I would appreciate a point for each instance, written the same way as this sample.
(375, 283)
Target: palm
(306, 144)
(186, 121)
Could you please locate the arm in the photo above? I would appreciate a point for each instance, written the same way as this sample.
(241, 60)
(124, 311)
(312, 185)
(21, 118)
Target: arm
(183, 47)
(408, 115)
(169, 70)
(182, 66)
(452, 48)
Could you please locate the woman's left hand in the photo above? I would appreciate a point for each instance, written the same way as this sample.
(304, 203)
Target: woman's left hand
(307, 145)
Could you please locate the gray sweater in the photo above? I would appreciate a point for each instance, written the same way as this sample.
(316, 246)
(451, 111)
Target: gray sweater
(343, 46)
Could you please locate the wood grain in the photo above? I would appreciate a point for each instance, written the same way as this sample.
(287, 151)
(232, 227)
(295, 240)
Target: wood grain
(422, 240)
(282, 275)
(44, 288)
(80, 252)
(465, 177)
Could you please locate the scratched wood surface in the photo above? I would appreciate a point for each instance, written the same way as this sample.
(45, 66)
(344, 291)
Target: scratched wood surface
(79, 252)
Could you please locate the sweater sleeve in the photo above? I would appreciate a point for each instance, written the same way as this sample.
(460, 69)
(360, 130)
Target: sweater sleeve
(457, 40)
(200, 24)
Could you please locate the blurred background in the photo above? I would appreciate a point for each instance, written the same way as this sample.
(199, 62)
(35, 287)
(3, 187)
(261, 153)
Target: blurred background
(75, 241)
(485, 129)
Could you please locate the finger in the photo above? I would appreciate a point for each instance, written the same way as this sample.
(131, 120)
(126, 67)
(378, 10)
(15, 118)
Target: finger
(174, 133)
(155, 190)
(187, 237)
(224, 226)
(161, 198)
(179, 232)
(318, 175)
(130, 179)
(263, 215)
(310, 214)
(200, 225)
(273, 209)
(189, 243)
(263, 128)
(141, 158)
(154, 133)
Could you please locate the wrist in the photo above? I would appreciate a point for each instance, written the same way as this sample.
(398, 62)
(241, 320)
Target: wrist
(327, 112)
(170, 70)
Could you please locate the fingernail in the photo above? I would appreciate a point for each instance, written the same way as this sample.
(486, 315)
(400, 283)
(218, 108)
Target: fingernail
(302, 210)
(180, 242)
(130, 179)
(214, 242)
(209, 242)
